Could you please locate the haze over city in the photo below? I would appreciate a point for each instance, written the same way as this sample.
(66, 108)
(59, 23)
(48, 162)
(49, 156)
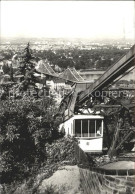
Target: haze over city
(68, 19)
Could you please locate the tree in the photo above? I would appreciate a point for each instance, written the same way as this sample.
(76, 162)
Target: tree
(27, 69)
(26, 127)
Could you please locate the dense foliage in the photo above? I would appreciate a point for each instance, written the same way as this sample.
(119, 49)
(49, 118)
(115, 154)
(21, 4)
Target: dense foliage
(82, 59)
(100, 58)
(26, 126)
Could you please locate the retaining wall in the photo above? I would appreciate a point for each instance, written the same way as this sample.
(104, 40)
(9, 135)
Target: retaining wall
(102, 181)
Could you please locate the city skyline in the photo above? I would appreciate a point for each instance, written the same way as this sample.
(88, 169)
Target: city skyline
(68, 19)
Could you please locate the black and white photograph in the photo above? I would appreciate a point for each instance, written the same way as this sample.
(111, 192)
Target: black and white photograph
(67, 97)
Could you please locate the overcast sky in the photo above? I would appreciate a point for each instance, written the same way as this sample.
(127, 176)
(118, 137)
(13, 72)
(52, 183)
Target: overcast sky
(69, 19)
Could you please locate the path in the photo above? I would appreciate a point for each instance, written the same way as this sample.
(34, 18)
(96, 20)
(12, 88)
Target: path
(66, 180)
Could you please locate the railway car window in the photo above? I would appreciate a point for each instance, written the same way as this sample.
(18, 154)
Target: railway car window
(92, 128)
(78, 128)
(85, 128)
(88, 127)
(98, 127)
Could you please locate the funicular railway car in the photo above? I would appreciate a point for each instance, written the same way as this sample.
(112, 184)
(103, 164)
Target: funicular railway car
(88, 129)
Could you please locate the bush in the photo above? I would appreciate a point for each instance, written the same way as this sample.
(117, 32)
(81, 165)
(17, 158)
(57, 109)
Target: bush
(25, 128)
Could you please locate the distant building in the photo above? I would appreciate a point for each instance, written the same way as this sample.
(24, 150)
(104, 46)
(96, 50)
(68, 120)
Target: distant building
(55, 84)
(59, 84)
(50, 84)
